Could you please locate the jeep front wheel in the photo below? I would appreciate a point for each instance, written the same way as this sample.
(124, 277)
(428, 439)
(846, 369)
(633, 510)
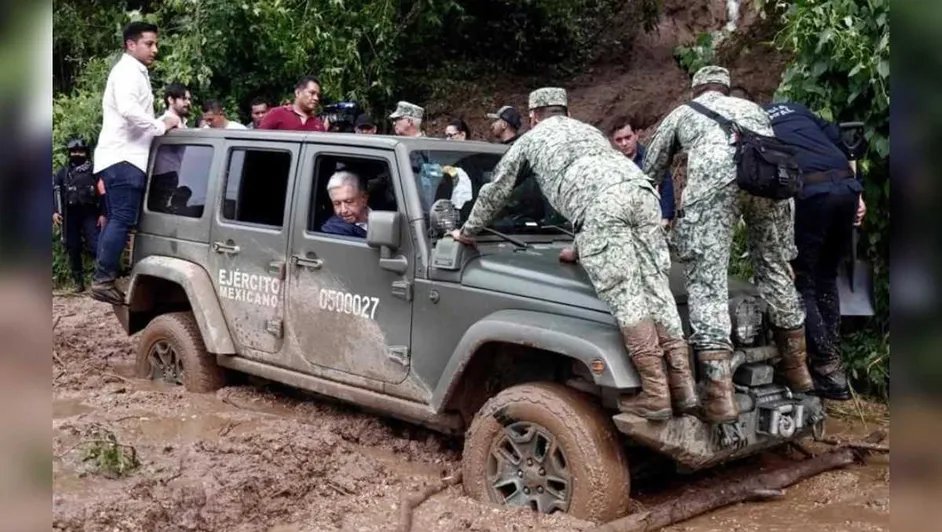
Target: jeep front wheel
(549, 448)
(171, 349)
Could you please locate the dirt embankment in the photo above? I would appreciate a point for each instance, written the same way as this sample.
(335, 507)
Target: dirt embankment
(638, 77)
(254, 456)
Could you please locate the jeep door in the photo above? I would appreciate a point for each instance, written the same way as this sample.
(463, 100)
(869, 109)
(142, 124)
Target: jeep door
(346, 316)
(248, 241)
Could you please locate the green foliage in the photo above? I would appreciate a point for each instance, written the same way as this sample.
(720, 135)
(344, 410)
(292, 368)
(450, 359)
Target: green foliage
(840, 69)
(699, 54)
(867, 357)
(370, 51)
(106, 455)
(61, 275)
(740, 265)
(234, 51)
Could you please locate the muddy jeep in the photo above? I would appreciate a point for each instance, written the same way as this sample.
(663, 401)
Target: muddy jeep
(231, 272)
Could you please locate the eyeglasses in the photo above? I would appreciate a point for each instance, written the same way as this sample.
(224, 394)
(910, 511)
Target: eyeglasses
(450, 135)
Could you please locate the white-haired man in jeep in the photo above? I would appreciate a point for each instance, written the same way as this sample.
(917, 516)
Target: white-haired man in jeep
(349, 199)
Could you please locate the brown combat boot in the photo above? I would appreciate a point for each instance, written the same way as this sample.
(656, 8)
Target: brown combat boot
(719, 406)
(679, 375)
(793, 366)
(653, 402)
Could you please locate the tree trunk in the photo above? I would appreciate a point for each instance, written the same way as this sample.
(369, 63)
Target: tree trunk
(762, 487)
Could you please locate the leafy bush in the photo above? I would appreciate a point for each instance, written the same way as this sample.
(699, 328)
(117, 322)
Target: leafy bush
(699, 54)
(840, 68)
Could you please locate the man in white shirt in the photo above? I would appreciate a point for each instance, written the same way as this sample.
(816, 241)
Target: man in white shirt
(215, 116)
(128, 126)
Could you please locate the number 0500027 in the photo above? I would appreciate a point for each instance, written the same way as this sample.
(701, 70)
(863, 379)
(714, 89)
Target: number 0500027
(347, 303)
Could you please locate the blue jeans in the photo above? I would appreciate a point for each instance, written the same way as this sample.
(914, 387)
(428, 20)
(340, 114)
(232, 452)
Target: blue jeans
(124, 189)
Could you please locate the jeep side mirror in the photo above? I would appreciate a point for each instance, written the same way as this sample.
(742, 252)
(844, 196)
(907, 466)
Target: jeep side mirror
(382, 232)
(383, 229)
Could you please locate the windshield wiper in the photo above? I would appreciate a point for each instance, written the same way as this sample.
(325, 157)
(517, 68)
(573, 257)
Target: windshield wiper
(560, 229)
(533, 224)
(519, 243)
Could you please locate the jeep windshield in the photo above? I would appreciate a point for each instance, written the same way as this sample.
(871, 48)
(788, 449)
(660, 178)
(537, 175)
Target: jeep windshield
(459, 175)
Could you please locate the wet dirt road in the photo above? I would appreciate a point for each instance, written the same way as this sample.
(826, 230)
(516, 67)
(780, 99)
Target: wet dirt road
(255, 456)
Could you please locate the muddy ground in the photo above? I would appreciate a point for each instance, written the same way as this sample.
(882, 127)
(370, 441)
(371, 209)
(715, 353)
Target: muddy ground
(255, 456)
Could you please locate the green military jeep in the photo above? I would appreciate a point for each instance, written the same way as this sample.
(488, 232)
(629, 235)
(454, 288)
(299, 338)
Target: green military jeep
(504, 344)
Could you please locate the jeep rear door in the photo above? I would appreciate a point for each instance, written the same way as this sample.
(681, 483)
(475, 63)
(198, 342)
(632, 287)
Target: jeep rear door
(248, 241)
(348, 319)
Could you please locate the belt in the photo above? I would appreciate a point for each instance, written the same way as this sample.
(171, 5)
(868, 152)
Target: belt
(829, 175)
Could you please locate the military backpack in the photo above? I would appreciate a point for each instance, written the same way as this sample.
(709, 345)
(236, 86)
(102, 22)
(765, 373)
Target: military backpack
(765, 166)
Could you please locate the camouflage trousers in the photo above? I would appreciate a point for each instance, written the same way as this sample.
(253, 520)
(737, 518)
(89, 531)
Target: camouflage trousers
(623, 249)
(702, 240)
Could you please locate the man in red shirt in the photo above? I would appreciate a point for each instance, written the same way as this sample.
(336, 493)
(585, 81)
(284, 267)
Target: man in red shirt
(299, 115)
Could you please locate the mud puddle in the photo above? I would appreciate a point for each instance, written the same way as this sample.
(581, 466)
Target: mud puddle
(257, 456)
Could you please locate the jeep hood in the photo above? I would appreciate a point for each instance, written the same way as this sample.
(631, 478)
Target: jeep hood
(537, 273)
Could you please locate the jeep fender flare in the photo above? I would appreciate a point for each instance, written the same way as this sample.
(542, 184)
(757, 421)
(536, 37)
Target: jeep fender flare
(576, 338)
(198, 286)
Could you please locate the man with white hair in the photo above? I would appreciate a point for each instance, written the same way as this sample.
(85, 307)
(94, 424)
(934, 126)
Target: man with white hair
(349, 199)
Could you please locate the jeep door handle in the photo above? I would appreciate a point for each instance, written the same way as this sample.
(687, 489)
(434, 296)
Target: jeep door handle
(304, 262)
(227, 249)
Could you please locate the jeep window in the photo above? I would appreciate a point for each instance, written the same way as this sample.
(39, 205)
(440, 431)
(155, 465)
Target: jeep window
(459, 176)
(374, 177)
(179, 179)
(256, 186)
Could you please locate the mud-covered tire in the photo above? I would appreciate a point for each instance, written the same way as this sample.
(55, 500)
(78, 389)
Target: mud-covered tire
(588, 439)
(179, 332)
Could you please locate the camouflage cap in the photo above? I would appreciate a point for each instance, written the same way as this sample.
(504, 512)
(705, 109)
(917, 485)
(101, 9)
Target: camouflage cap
(711, 74)
(548, 96)
(406, 109)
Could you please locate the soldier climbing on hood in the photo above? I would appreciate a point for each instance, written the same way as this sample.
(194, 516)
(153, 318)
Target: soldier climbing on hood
(614, 210)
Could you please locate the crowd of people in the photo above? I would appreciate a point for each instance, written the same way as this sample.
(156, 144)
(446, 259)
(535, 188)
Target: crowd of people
(617, 193)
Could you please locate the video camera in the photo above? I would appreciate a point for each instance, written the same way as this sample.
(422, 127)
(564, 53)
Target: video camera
(341, 116)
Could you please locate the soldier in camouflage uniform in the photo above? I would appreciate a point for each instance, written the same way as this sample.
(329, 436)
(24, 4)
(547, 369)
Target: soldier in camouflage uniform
(615, 212)
(712, 204)
(407, 120)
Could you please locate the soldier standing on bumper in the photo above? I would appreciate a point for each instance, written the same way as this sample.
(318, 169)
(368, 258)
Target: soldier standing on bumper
(712, 204)
(615, 212)
(78, 208)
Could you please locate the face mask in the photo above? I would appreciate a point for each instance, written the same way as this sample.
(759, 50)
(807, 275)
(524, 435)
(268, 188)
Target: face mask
(77, 159)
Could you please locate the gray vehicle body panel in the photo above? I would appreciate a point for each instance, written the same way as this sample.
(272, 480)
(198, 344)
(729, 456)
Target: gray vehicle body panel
(198, 286)
(582, 340)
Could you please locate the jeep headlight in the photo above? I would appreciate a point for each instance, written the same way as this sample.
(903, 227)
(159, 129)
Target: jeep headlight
(747, 320)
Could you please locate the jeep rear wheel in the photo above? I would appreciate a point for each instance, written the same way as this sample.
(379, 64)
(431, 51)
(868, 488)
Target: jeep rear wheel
(549, 448)
(172, 350)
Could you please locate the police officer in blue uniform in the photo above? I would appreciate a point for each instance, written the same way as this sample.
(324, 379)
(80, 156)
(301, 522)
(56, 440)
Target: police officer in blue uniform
(77, 208)
(826, 211)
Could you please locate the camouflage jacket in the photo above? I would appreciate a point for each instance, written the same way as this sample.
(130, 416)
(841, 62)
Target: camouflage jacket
(572, 163)
(710, 163)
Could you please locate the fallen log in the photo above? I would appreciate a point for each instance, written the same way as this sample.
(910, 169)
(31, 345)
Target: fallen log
(704, 499)
(409, 503)
(870, 444)
(857, 445)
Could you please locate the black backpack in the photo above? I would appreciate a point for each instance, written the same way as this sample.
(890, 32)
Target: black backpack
(765, 166)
